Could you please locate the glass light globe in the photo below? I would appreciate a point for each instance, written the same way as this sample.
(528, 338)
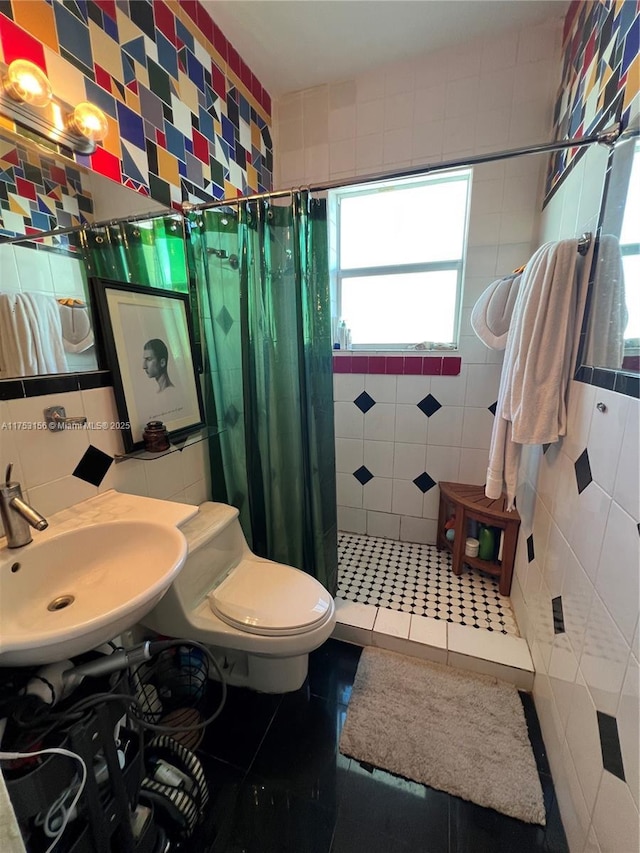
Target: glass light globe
(25, 82)
(89, 121)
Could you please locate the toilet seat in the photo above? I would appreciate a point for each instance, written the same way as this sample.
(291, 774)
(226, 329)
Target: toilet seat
(271, 599)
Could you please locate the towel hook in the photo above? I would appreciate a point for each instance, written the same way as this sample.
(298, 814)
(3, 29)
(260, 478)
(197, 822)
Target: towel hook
(584, 242)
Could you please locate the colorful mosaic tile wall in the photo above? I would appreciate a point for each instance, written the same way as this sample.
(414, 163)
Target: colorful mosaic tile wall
(600, 77)
(188, 120)
(38, 193)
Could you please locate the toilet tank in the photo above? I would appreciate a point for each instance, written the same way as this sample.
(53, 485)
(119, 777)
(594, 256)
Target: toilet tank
(215, 544)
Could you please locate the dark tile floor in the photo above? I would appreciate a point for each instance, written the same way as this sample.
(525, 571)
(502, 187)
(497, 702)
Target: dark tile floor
(279, 784)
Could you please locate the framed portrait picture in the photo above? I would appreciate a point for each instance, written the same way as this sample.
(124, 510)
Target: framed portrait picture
(147, 343)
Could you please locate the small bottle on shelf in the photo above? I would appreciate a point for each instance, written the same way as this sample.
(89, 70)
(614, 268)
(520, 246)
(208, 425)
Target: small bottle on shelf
(487, 543)
(342, 334)
(155, 437)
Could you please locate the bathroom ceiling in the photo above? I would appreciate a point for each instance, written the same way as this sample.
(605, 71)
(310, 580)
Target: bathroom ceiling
(295, 44)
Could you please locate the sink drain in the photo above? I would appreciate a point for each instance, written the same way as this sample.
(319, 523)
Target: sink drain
(61, 602)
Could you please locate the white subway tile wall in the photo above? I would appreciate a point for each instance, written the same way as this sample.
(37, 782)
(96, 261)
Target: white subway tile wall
(44, 462)
(397, 442)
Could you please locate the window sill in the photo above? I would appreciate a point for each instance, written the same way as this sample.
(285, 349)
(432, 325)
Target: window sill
(398, 365)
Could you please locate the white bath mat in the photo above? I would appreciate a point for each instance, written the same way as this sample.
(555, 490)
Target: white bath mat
(458, 732)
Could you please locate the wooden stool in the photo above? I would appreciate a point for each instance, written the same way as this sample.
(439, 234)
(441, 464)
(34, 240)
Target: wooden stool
(469, 502)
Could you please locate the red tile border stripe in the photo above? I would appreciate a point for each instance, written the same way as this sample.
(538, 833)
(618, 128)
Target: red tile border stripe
(398, 365)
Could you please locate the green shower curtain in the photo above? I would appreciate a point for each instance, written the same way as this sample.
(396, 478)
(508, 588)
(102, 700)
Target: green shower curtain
(148, 252)
(262, 275)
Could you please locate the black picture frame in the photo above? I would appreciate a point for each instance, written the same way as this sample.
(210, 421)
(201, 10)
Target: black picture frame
(146, 334)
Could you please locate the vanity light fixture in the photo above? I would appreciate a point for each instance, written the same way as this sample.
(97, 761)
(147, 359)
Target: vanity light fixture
(25, 82)
(89, 121)
(26, 98)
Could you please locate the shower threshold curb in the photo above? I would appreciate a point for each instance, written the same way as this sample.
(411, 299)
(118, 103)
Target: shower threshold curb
(503, 656)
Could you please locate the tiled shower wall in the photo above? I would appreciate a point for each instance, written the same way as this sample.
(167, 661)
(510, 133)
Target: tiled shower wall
(575, 591)
(482, 95)
(479, 95)
(419, 430)
(576, 586)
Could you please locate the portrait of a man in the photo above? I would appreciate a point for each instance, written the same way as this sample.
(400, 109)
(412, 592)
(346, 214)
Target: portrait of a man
(155, 362)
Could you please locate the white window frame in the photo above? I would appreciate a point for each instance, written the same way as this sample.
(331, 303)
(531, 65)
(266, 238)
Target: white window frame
(458, 264)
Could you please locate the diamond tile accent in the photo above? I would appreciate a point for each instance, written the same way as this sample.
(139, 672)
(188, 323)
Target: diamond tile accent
(530, 552)
(492, 408)
(558, 615)
(364, 402)
(583, 471)
(363, 475)
(545, 447)
(231, 416)
(429, 406)
(415, 578)
(610, 745)
(225, 320)
(93, 466)
(424, 482)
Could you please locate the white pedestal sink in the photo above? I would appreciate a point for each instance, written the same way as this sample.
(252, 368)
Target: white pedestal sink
(74, 589)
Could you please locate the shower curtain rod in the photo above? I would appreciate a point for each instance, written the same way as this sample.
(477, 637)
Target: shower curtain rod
(606, 137)
(90, 226)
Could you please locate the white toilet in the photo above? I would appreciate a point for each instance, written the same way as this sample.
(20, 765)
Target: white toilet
(260, 618)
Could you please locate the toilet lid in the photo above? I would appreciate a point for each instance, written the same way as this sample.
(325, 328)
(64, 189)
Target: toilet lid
(262, 597)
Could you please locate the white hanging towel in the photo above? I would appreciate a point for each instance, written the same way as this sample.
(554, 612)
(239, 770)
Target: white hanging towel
(536, 370)
(30, 335)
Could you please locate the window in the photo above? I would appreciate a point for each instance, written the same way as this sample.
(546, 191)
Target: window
(398, 249)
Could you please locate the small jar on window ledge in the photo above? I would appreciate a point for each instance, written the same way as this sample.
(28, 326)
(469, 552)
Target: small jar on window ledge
(155, 437)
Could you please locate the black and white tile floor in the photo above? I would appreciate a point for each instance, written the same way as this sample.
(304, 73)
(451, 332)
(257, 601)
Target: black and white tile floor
(418, 579)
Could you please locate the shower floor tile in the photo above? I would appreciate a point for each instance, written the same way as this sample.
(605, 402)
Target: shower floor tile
(418, 579)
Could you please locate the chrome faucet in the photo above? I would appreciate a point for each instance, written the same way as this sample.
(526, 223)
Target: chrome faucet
(17, 515)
